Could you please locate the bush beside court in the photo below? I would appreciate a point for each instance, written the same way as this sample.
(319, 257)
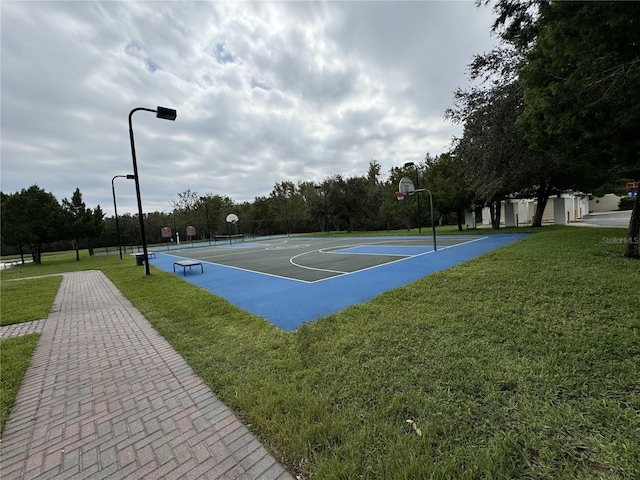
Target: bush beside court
(523, 363)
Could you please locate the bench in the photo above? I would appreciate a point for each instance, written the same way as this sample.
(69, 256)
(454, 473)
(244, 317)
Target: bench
(187, 263)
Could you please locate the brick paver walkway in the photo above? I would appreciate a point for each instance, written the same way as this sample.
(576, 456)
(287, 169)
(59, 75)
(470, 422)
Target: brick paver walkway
(19, 329)
(107, 397)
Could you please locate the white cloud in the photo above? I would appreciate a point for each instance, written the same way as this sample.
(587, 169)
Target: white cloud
(265, 92)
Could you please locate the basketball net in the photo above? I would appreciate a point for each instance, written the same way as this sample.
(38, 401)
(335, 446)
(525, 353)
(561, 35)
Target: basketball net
(400, 196)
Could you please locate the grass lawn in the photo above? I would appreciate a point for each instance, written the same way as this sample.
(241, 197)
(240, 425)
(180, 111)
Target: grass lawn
(14, 360)
(522, 363)
(27, 300)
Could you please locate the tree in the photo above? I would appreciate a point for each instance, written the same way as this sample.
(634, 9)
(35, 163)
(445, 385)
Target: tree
(499, 160)
(213, 205)
(280, 195)
(187, 201)
(446, 179)
(494, 153)
(356, 208)
(375, 191)
(81, 222)
(582, 89)
(96, 226)
(12, 231)
(31, 217)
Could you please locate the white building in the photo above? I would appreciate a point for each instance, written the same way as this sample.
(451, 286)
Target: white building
(567, 208)
(606, 203)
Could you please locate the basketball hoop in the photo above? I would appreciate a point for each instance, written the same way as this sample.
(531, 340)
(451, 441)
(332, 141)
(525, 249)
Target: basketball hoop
(400, 196)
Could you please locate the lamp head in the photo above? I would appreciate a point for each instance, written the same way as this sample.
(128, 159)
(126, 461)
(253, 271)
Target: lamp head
(166, 113)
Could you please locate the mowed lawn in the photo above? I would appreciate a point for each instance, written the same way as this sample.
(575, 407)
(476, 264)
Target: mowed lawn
(522, 363)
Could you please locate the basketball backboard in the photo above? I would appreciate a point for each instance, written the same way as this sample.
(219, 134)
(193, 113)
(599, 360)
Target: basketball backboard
(406, 185)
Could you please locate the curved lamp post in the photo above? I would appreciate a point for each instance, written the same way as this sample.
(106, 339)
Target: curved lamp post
(115, 208)
(167, 114)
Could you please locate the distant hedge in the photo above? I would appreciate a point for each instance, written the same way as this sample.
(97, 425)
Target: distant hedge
(626, 203)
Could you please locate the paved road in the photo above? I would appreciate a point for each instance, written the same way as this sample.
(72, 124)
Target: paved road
(606, 219)
(107, 397)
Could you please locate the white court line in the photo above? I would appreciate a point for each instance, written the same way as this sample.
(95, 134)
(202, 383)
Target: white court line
(291, 261)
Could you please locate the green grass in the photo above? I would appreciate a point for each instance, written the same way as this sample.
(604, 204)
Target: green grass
(14, 360)
(27, 300)
(522, 363)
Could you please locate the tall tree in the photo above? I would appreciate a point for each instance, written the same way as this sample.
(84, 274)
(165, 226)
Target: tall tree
(494, 152)
(187, 201)
(280, 195)
(81, 222)
(446, 179)
(375, 190)
(96, 225)
(582, 89)
(499, 159)
(31, 217)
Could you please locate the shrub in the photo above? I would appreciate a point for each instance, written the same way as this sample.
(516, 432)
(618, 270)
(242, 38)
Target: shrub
(626, 203)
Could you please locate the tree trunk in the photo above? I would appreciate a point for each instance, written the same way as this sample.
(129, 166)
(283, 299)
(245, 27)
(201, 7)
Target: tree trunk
(633, 234)
(542, 196)
(460, 215)
(36, 254)
(76, 247)
(494, 208)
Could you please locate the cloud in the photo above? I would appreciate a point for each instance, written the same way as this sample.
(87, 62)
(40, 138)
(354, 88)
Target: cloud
(265, 92)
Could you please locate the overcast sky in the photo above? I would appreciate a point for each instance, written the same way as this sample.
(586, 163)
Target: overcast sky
(265, 92)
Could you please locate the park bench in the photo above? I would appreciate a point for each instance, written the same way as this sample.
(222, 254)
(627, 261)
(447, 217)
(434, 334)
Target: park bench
(187, 263)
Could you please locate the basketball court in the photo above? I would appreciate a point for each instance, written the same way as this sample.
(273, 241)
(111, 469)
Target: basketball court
(289, 281)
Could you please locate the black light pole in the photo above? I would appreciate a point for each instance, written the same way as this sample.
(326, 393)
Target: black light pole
(411, 164)
(167, 114)
(115, 208)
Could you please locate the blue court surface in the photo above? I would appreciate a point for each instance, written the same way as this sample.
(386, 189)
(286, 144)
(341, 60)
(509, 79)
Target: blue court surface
(290, 281)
